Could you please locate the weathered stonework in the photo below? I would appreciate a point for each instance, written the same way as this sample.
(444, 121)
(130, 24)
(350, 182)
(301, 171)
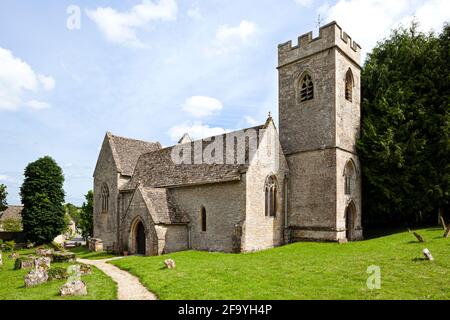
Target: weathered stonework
(312, 164)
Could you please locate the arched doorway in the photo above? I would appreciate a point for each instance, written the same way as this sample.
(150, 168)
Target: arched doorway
(140, 238)
(349, 221)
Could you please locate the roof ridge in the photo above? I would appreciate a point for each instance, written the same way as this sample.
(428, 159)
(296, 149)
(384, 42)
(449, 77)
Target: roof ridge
(132, 139)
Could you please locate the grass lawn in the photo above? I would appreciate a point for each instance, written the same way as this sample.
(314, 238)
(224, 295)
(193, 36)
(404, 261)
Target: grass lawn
(100, 286)
(304, 271)
(84, 253)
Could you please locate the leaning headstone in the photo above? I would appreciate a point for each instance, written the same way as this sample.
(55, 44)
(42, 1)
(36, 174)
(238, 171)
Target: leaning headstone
(1, 259)
(170, 264)
(418, 236)
(447, 232)
(444, 225)
(74, 272)
(35, 277)
(427, 254)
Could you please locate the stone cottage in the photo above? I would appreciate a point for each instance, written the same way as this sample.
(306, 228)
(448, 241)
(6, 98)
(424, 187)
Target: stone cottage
(250, 189)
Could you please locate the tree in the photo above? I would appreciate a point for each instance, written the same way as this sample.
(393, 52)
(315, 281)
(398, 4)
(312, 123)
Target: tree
(405, 136)
(87, 216)
(73, 212)
(12, 225)
(3, 195)
(43, 200)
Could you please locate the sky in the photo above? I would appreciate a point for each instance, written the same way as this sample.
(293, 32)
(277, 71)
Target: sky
(152, 70)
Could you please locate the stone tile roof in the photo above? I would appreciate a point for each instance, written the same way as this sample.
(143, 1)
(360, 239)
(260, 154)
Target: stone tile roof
(156, 169)
(13, 212)
(162, 206)
(126, 152)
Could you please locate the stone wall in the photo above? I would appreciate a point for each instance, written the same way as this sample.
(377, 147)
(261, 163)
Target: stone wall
(312, 194)
(225, 208)
(105, 224)
(261, 231)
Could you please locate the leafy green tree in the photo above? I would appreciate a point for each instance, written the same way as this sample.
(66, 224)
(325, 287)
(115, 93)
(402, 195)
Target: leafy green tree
(405, 137)
(3, 195)
(43, 200)
(11, 225)
(87, 216)
(74, 213)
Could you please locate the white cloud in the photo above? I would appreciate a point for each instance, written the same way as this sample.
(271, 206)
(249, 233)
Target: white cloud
(251, 121)
(368, 21)
(196, 130)
(121, 27)
(304, 3)
(195, 13)
(230, 39)
(37, 105)
(17, 78)
(5, 178)
(201, 106)
(47, 82)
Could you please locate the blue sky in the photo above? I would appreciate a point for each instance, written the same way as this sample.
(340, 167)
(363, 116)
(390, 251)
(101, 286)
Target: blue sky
(152, 70)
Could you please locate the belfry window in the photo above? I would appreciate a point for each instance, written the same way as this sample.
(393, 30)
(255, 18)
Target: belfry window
(270, 190)
(105, 198)
(349, 85)
(306, 88)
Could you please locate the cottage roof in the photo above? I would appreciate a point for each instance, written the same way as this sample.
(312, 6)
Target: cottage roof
(13, 212)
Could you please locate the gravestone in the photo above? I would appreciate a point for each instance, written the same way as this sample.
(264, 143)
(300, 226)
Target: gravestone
(63, 256)
(418, 237)
(444, 225)
(447, 232)
(43, 262)
(1, 259)
(35, 277)
(170, 264)
(427, 254)
(74, 286)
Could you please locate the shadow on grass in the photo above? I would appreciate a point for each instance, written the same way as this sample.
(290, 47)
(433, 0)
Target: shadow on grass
(373, 233)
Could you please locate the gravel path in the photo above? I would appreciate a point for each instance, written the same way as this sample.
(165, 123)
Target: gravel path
(129, 287)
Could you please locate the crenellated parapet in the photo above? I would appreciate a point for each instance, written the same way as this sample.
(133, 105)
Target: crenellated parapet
(330, 35)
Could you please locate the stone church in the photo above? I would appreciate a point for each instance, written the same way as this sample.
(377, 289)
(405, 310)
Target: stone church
(252, 189)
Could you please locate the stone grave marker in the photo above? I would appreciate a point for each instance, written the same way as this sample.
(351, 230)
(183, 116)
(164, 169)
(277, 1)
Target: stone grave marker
(427, 254)
(418, 237)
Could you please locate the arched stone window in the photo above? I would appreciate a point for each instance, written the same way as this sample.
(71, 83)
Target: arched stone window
(349, 85)
(349, 173)
(203, 213)
(306, 88)
(270, 190)
(105, 198)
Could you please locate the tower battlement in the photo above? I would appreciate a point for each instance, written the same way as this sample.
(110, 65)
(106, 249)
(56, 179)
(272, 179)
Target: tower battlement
(330, 35)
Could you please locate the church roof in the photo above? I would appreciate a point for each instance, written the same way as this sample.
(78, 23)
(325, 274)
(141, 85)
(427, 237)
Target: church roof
(156, 169)
(162, 206)
(126, 152)
(12, 212)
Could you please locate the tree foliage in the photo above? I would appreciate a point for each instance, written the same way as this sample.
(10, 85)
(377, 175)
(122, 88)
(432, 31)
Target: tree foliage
(3, 195)
(43, 200)
(87, 216)
(405, 137)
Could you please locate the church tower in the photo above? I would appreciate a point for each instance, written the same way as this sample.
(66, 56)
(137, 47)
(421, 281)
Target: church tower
(319, 119)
